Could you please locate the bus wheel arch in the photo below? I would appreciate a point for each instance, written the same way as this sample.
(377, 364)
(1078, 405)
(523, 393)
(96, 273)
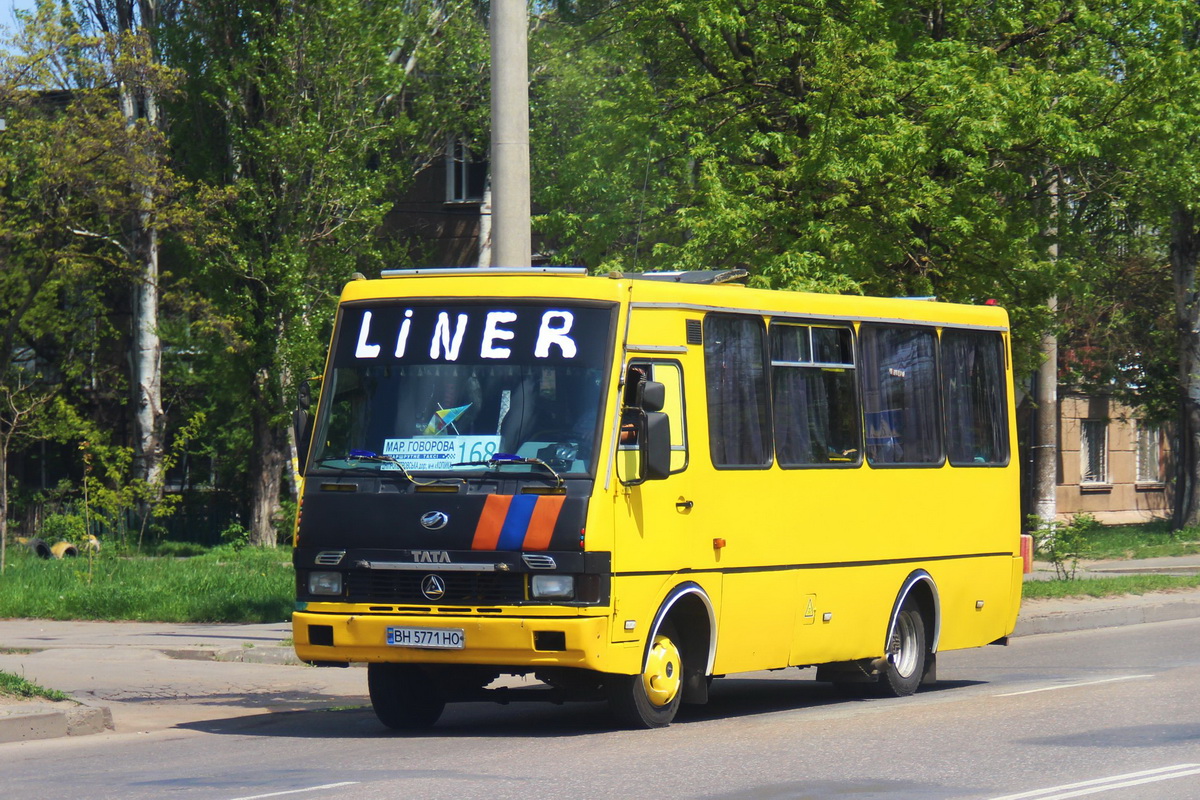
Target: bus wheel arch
(910, 647)
(676, 663)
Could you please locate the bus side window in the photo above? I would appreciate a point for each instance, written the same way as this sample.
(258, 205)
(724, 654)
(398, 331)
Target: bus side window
(670, 374)
(739, 403)
(814, 396)
(901, 403)
(973, 385)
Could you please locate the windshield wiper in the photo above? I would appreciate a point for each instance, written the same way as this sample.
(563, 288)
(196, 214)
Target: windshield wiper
(506, 459)
(374, 458)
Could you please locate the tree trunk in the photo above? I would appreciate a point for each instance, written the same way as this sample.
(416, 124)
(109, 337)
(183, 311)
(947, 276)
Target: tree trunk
(147, 365)
(267, 462)
(139, 101)
(3, 501)
(1185, 257)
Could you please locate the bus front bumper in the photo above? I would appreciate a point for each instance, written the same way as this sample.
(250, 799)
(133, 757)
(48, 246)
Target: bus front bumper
(520, 643)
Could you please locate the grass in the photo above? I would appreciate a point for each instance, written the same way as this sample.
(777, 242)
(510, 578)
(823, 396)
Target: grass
(222, 585)
(1108, 587)
(16, 686)
(1148, 540)
(1120, 542)
(186, 583)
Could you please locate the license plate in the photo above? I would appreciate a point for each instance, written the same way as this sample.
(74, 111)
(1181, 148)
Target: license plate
(438, 638)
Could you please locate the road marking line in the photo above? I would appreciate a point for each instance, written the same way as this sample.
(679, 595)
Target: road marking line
(298, 791)
(1074, 685)
(1107, 784)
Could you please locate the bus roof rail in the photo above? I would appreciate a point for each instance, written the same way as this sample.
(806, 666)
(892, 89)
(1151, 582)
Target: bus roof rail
(709, 276)
(477, 271)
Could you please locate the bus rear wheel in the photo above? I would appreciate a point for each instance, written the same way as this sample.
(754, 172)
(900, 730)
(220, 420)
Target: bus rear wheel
(651, 699)
(906, 654)
(404, 697)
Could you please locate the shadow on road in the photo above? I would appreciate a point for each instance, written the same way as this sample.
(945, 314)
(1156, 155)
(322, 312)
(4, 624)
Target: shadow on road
(730, 698)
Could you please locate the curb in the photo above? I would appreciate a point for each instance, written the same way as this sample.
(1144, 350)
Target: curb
(1089, 614)
(244, 655)
(36, 721)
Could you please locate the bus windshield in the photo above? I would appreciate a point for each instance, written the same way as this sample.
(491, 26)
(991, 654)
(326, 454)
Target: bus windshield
(429, 388)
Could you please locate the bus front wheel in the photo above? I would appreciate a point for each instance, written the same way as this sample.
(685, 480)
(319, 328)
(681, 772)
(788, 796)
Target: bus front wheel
(403, 696)
(906, 653)
(651, 699)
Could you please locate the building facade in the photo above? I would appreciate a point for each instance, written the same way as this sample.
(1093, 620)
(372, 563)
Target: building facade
(1111, 464)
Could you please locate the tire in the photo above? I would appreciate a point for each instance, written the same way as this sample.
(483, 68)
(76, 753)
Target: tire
(651, 699)
(39, 548)
(403, 696)
(906, 654)
(64, 550)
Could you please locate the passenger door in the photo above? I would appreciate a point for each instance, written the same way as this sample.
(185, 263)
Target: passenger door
(657, 533)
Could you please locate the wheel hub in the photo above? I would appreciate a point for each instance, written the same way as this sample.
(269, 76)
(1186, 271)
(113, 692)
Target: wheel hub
(663, 675)
(902, 651)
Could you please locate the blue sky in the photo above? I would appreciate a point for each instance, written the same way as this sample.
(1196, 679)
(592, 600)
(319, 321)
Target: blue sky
(6, 9)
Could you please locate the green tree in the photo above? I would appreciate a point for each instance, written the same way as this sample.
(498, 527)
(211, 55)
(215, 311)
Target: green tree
(66, 162)
(1158, 147)
(889, 147)
(129, 31)
(315, 115)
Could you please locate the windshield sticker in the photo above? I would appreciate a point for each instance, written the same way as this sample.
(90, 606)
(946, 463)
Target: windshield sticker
(444, 418)
(494, 334)
(438, 452)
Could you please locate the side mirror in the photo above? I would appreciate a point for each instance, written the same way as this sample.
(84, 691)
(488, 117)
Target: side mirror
(653, 396)
(302, 426)
(304, 396)
(302, 421)
(645, 423)
(656, 446)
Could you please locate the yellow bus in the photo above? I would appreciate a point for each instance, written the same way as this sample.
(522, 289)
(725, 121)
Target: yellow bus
(623, 487)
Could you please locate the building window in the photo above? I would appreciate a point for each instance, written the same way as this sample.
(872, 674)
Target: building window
(1149, 453)
(1093, 451)
(466, 176)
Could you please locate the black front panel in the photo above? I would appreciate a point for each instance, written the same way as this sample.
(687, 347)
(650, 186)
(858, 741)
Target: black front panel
(461, 588)
(463, 578)
(377, 514)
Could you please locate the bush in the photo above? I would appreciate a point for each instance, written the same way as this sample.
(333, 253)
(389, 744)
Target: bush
(235, 536)
(64, 528)
(1062, 543)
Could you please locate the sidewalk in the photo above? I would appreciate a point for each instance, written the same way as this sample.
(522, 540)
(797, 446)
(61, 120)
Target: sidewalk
(138, 676)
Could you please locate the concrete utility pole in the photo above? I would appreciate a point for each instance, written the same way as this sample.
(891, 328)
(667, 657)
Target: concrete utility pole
(1045, 459)
(511, 241)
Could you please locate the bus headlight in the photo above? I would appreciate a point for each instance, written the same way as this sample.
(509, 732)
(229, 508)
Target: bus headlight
(552, 587)
(329, 583)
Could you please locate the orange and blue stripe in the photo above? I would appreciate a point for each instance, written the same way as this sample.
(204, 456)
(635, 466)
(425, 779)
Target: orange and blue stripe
(517, 522)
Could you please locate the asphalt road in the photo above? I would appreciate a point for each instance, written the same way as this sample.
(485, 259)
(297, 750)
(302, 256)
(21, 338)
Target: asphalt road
(1109, 713)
